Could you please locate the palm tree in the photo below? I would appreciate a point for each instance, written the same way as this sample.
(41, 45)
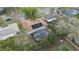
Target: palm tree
(30, 12)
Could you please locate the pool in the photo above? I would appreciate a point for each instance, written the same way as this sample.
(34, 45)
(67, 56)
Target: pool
(39, 35)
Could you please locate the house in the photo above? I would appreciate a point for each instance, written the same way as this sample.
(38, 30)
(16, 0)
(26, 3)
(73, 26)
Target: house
(70, 12)
(6, 17)
(9, 31)
(37, 28)
(49, 18)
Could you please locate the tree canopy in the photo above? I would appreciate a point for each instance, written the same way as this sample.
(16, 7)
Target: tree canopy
(30, 13)
(1, 21)
(77, 16)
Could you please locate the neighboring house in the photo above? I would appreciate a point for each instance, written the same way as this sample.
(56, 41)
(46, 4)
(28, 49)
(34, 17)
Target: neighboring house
(9, 31)
(37, 28)
(49, 18)
(70, 12)
(6, 18)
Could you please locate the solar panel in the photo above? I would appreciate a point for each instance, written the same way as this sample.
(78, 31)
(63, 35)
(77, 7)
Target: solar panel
(36, 25)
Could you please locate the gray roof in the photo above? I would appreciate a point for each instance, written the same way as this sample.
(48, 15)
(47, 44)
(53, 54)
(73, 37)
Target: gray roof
(12, 28)
(49, 17)
(70, 12)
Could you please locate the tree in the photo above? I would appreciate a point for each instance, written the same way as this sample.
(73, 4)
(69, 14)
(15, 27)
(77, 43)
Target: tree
(30, 13)
(52, 37)
(77, 16)
(1, 21)
(17, 43)
(8, 10)
(65, 49)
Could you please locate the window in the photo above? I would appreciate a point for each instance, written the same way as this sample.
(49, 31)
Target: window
(36, 25)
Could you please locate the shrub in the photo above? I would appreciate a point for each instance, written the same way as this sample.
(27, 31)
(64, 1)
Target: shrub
(65, 49)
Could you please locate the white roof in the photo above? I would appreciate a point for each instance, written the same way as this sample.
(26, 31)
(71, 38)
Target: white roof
(12, 28)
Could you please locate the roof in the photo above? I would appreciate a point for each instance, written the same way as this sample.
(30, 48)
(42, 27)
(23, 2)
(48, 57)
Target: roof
(49, 17)
(6, 17)
(70, 12)
(12, 28)
(27, 24)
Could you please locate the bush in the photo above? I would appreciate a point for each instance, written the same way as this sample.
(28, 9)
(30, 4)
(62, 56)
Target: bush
(17, 43)
(77, 16)
(52, 37)
(65, 49)
(8, 44)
